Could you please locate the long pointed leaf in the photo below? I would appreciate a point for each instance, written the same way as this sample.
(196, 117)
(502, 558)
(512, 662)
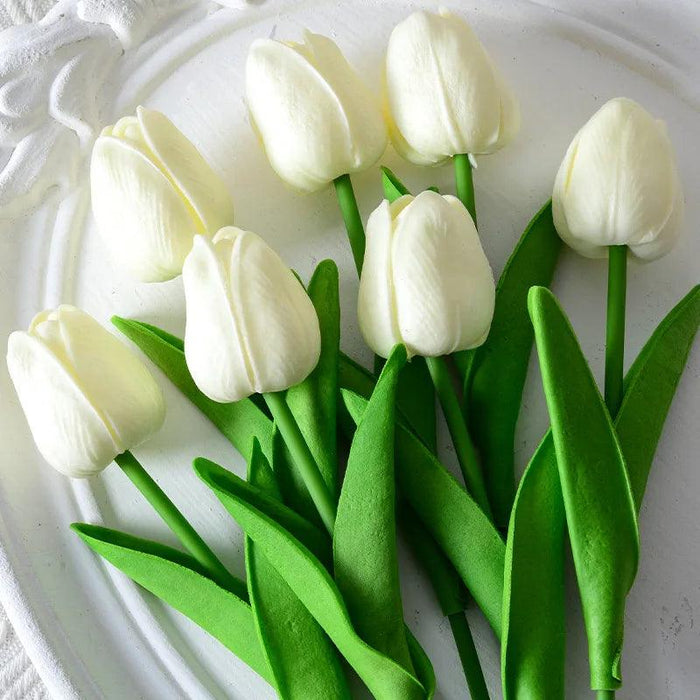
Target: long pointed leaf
(451, 516)
(301, 658)
(495, 375)
(312, 584)
(600, 511)
(364, 539)
(174, 577)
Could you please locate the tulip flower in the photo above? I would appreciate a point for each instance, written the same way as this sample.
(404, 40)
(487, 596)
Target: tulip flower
(444, 96)
(88, 400)
(152, 192)
(86, 397)
(316, 118)
(426, 283)
(252, 328)
(618, 190)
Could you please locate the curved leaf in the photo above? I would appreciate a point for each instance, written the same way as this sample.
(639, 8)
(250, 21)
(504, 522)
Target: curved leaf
(600, 511)
(364, 539)
(495, 375)
(176, 579)
(313, 585)
(301, 658)
(450, 515)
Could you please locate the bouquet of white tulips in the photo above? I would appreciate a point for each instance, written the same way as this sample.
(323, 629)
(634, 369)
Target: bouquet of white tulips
(338, 455)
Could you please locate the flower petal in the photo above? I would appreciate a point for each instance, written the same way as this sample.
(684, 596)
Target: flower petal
(140, 216)
(214, 348)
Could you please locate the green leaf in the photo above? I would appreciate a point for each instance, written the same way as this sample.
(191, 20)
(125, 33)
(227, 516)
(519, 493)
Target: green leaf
(314, 402)
(364, 539)
(313, 585)
(314, 539)
(302, 659)
(534, 614)
(533, 641)
(494, 374)
(450, 515)
(393, 187)
(650, 386)
(176, 578)
(239, 421)
(600, 510)
(416, 401)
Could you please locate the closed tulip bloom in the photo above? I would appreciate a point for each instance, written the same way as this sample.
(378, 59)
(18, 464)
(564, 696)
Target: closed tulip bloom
(87, 398)
(316, 118)
(426, 281)
(251, 327)
(152, 192)
(444, 95)
(618, 185)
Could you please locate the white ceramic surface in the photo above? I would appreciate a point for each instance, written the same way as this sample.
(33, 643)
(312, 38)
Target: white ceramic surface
(91, 633)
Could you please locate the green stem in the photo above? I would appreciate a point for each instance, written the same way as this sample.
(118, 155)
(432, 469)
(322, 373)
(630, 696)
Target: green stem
(177, 522)
(465, 183)
(605, 695)
(615, 332)
(352, 219)
(468, 656)
(473, 478)
(303, 459)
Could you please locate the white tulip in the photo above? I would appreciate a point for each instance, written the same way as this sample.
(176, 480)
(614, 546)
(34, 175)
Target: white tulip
(426, 281)
(618, 185)
(444, 96)
(251, 327)
(87, 398)
(152, 192)
(316, 118)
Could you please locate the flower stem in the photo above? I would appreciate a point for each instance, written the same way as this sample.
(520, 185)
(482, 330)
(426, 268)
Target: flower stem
(615, 332)
(471, 471)
(465, 183)
(177, 522)
(605, 695)
(303, 459)
(352, 218)
(468, 656)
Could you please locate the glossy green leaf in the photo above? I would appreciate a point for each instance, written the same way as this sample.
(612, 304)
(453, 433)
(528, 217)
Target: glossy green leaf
(175, 578)
(393, 187)
(364, 539)
(600, 511)
(450, 515)
(313, 538)
(533, 627)
(313, 585)
(494, 375)
(314, 402)
(302, 660)
(239, 421)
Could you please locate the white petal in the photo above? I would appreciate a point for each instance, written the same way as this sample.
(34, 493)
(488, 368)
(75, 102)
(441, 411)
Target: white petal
(278, 320)
(202, 188)
(214, 351)
(621, 187)
(69, 432)
(115, 381)
(444, 94)
(316, 118)
(442, 280)
(140, 216)
(375, 302)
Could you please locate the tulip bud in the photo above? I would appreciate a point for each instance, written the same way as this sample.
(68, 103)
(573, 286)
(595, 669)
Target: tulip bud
(251, 327)
(316, 118)
(618, 185)
(425, 282)
(86, 397)
(152, 192)
(444, 95)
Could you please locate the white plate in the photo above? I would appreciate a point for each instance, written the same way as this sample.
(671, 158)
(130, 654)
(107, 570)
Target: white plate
(92, 633)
